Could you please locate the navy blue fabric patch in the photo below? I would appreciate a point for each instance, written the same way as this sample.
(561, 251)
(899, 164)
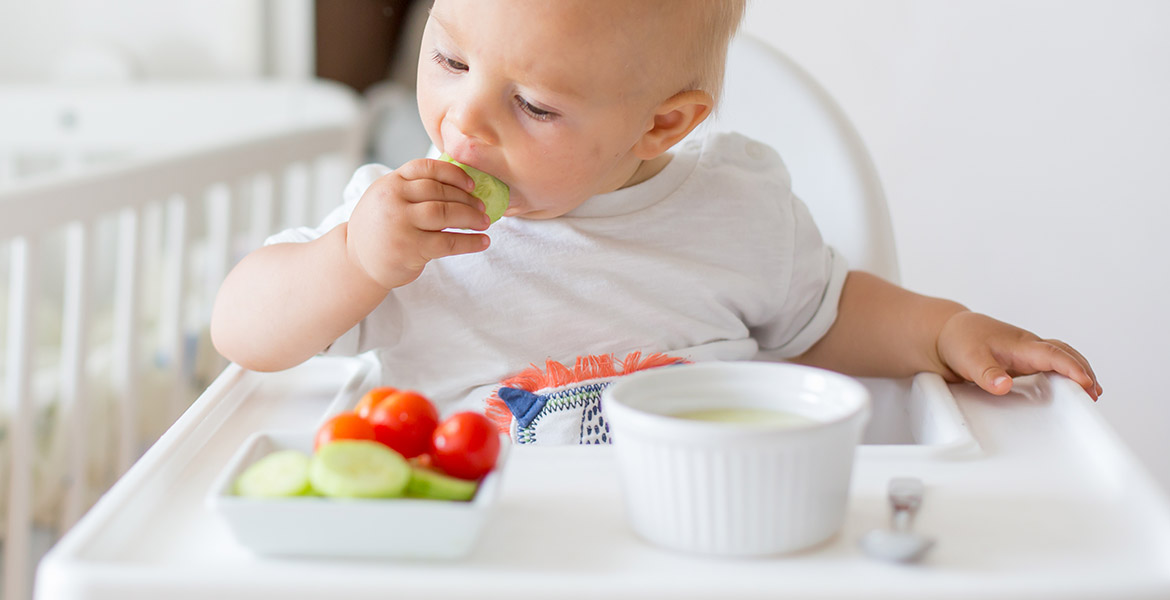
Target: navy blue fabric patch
(524, 404)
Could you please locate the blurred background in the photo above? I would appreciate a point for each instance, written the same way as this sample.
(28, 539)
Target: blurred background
(1022, 144)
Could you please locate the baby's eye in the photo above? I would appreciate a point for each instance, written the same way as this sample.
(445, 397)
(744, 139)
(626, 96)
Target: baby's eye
(448, 63)
(535, 112)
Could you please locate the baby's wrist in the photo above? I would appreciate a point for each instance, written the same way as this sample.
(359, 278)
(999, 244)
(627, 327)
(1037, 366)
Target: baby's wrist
(355, 271)
(949, 316)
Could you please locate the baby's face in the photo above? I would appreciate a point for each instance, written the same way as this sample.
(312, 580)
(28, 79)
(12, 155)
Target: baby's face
(550, 97)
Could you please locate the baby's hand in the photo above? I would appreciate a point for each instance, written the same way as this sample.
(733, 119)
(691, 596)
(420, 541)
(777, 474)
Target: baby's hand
(397, 225)
(988, 352)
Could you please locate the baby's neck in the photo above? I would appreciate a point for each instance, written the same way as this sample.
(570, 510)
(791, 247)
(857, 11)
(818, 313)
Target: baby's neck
(647, 169)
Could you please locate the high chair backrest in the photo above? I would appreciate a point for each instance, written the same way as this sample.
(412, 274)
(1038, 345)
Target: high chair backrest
(770, 98)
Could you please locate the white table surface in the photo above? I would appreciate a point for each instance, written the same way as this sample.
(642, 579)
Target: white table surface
(1052, 506)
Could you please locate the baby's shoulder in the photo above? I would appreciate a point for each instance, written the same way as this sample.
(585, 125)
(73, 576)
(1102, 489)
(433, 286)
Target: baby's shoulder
(735, 151)
(737, 169)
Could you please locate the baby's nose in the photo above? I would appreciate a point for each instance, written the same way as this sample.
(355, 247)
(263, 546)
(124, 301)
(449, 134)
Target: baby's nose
(474, 120)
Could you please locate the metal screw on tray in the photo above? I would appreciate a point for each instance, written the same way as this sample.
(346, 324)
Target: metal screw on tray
(899, 543)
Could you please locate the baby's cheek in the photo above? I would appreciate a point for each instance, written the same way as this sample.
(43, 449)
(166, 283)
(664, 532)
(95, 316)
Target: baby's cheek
(553, 176)
(558, 182)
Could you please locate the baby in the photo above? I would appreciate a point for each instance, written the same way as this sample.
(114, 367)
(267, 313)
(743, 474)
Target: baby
(621, 249)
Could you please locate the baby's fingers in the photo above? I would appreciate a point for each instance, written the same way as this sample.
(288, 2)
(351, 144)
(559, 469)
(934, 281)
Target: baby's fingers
(1089, 379)
(439, 215)
(982, 368)
(437, 244)
(436, 170)
(1048, 355)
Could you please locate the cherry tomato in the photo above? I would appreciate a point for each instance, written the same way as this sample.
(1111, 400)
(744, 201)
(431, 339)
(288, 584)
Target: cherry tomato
(404, 421)
(345, 426)
(466, 445)
(372, 398)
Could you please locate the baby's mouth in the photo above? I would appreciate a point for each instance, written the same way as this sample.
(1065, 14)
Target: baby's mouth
(494, 193)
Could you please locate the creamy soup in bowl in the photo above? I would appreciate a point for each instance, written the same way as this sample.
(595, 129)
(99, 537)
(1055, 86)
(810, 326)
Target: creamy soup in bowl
(736, 458)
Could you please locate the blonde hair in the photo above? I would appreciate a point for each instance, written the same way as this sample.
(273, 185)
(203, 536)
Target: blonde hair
(708, 48)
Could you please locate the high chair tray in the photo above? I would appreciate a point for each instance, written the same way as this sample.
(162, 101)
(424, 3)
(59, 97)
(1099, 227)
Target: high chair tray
(1039, 500)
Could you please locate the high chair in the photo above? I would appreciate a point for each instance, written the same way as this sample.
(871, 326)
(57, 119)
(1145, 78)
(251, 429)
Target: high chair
(1030, 495)
(770, 98)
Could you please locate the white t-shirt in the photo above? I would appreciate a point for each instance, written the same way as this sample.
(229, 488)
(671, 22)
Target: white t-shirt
(713, 258)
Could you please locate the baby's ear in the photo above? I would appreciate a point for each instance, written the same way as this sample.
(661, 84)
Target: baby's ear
(672, 121)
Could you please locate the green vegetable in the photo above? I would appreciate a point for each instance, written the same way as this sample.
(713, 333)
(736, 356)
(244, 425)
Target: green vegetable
(493, 192)
(358, 469)
(427, 483)
(278, 475)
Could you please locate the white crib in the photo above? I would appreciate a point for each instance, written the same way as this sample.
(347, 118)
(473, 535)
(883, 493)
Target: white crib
(121, 210)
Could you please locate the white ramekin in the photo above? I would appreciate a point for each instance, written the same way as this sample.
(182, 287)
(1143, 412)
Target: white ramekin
(735, 489)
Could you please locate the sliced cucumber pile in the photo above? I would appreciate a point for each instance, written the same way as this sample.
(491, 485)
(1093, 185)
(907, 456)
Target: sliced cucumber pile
(358, 469)
(349, 469)
(279, 475)
(427, 483)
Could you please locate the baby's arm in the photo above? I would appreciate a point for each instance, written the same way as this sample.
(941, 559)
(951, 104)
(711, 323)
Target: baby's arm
(883, 330)
(284, 303)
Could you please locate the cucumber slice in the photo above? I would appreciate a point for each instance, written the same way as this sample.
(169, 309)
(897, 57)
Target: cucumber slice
(492, 191)
(427, 483)
(280, 474)
(358, 469)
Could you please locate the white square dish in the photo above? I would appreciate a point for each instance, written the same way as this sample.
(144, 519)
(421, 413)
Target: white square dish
(334, 527)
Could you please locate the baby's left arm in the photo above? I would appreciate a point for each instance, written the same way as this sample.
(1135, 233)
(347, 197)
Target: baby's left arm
(883, 330)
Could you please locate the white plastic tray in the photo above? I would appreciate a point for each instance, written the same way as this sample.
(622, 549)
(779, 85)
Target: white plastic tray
(1042, 502)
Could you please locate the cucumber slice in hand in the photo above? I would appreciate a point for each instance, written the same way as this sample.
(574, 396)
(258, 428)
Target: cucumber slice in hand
(427, 483)
(358, 469)
(493, 192)
(280, 474)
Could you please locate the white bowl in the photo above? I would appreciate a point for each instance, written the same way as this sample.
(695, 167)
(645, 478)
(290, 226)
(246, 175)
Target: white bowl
(333, 527)
(736, 489)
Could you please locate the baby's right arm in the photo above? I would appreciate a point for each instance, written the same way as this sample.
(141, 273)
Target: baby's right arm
(284, 303)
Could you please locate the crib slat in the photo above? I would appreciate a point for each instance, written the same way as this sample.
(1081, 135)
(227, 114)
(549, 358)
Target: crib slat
(172, 338)
(151, 232)
(292, 202)
(279, 193)
(221, 225)
(330, 177)
(260, 217)
(17, 570)
(126, 334)
(219, 235)
(74, 344)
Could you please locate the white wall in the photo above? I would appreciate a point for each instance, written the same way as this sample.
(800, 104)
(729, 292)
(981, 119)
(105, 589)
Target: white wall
(1024, 146)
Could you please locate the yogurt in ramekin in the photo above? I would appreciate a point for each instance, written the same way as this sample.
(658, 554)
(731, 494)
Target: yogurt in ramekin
(736, 458)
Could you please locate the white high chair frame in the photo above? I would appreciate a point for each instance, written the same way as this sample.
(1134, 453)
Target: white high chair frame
(769, 97)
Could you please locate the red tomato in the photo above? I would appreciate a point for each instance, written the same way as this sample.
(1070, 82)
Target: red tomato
(345, 426)
(372, 398)
(404, 421)
(466, 445)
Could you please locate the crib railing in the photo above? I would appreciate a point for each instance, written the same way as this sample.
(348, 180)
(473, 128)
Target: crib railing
(132, 254)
